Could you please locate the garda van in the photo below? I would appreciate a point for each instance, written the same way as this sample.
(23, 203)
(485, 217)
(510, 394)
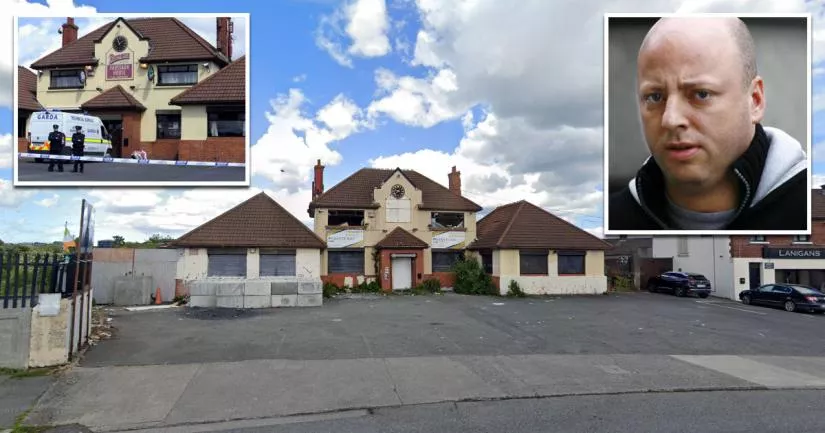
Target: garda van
(97, 142)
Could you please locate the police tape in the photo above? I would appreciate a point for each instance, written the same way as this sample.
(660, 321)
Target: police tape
(132, 160)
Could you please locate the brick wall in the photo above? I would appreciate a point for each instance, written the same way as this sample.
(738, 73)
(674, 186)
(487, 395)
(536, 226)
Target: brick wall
(22, 145)
(741, 246)
(338, 279)
(447, 279)
(223, 149)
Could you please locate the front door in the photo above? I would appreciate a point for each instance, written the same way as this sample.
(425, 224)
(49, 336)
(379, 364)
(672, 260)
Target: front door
(401, 273)
(755, 275)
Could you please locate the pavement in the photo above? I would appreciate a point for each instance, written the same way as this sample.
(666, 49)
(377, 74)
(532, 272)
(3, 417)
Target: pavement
(17, 395)
(186, 368)
(30, 171)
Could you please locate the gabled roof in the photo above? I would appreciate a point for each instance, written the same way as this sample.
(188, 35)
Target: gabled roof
(27, 90)
(525, 225)
(400, 238)
(356, 192)
(259, 222)
(169, 41)
(115, 98)
(227, 85)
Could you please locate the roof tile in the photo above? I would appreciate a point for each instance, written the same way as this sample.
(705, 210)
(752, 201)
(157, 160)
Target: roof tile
(27, 90)
(400, 238)
(356, 192)
(227, 85)
(169, 40)
(259, 222)
(525, 225)
(114, 98)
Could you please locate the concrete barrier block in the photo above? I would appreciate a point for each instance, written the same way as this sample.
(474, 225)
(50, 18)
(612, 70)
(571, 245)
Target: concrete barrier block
(284, 300)
(310, 300)
(310, 288)
(230, 288)
(257, 301)
(203, 301)
(202, 288)
(230, 301)
(284, 288)
(130, 291)
(257, 288)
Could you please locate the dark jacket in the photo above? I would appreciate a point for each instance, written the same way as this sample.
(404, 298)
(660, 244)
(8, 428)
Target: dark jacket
(773, 184)
(57, 141)
(78, 143)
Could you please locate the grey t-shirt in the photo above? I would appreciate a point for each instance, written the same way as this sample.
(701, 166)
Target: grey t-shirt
(690, 220)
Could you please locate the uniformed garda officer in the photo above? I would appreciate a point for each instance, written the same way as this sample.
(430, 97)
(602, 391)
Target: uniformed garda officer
(78, 143)
(57, 141)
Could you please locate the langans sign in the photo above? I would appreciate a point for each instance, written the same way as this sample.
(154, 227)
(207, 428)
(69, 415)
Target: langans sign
(793, 253)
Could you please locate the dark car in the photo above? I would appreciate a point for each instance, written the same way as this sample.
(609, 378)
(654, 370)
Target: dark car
(680, 284)
(791, 297)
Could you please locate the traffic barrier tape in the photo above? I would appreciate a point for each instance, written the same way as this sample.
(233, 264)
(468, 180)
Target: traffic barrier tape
(132, 160)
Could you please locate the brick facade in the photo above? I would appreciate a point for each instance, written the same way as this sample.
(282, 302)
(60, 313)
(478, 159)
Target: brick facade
(741, 246)
(340, 279)
(447, 279)
(386, 267)
(224, 149)
(22, 145)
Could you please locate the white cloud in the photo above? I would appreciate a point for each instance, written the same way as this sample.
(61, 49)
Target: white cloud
(364, 24)
(341, 116)
(6, 150)
(299, 78)
(12, 197)
(49, 201)
(416, 101)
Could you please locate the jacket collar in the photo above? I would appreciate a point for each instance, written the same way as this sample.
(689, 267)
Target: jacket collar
(650, 183)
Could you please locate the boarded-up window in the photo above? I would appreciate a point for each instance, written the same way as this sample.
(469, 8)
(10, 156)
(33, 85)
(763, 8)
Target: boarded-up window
(398, 210)
(443, 260)
(533, 262)
(226, 263)
(346, 262)
(487, 262)
(277, 263)
(571, 263)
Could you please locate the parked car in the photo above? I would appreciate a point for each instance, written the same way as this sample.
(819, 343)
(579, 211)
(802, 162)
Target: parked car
(680, 284)
(791, 297)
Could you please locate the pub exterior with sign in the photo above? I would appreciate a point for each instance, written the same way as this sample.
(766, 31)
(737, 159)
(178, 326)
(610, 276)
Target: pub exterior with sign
(156, 84)
(798, 259)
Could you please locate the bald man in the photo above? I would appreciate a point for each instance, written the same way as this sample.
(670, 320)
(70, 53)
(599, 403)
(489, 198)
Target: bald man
(713, 166)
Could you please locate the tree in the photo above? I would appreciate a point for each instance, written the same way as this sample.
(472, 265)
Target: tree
(118, 241)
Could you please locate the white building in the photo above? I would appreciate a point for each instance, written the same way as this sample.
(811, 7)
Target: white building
(706, 255)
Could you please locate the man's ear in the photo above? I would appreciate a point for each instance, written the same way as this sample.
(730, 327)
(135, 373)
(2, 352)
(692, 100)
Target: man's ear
(756, 97)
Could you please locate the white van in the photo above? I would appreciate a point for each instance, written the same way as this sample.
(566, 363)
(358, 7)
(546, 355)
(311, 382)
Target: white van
(97, 143)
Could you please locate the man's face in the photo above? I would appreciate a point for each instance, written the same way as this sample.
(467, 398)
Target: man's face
(697, 113)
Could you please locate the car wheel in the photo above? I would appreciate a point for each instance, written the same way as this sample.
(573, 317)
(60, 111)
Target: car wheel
(746, 300)
(651, 287)
(680, 292)
(703, 295)
(790, 306)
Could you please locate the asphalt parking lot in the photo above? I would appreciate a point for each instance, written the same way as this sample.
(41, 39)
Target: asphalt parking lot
(407, 326)
(30, 171)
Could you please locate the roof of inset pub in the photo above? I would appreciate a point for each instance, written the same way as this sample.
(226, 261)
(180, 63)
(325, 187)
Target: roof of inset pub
(169, 40)
(525, 225)
(115, 98)
(227, 85)
(356, 192)
(400, 238)
(258, 222)
(27, 90)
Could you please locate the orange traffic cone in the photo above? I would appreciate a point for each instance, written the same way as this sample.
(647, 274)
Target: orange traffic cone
(157, 296)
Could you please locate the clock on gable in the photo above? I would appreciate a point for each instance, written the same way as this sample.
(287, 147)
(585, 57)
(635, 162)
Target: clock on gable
(397, 191)
(120, 43)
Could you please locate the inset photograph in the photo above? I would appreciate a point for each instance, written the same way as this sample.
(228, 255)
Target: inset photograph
(707, 124)
(132, 100)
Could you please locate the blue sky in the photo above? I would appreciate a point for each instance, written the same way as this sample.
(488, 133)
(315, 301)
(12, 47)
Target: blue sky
(424, 84)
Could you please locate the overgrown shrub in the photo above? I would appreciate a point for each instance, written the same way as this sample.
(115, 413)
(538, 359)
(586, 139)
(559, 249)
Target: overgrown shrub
(330, 290)
(432, 285)
(470, 278)
(365, 287)
(515, 290)
(623, 284)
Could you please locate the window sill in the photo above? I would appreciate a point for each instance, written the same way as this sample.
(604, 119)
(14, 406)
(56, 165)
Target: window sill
(573, 275)
(174, 85)
(803, 243)
(759, 243)
(67, 88)
(534, 275)
(447, 229)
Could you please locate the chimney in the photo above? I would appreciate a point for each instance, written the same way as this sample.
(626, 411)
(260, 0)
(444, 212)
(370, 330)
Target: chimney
(69, 30)
(225, 29)
(455, 181)
(318, 183)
